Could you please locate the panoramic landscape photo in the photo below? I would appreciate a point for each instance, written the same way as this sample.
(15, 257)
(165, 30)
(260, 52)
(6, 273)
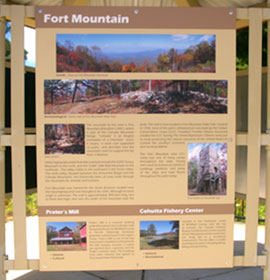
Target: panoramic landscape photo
(136, 53)
(159, 235)
(64, 139)
(66, 236)
(207, 168)
(135, 97)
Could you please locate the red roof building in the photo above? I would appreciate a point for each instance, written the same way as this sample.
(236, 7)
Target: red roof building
(65, 236)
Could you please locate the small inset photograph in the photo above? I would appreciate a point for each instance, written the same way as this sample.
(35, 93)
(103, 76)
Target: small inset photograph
(66, 236)
(156, 235)
(207, 168)
(64, 139)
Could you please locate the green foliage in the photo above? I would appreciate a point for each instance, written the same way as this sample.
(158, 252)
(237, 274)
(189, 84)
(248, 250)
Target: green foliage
(7, 51)
(175, 226)
(51, 233)
(143, 232)
(242, 47)
(241, 63)
(262, 214)
(9, 208)
(240, 211)
(163, 62)
(8, 44)
(31, 206)
(151, 230)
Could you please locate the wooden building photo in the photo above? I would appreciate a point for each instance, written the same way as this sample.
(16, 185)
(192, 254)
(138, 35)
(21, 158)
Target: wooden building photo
(66, 236)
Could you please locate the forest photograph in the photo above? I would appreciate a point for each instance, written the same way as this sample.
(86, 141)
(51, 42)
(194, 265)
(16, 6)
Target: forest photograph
(135, 53)
(135, 96)
(159, 235)
(64, 139)
(207, 168)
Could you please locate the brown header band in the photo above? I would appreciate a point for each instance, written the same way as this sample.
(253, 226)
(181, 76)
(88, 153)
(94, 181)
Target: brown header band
(126, 17)
(135, 210)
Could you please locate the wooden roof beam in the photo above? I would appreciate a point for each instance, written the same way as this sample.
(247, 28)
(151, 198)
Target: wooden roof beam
(75, 3)
(187, 3)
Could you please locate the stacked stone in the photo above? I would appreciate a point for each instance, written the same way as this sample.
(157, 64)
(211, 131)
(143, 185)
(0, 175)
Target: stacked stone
(208, 168)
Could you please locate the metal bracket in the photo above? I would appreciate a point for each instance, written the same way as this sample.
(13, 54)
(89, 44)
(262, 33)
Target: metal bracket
(2, 148)
(266, 252)
(4, 258)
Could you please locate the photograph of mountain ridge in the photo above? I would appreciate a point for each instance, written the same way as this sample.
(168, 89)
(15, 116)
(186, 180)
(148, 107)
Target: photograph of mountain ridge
(135, 52)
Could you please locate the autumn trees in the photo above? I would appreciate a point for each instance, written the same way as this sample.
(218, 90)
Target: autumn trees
(72, 91)
(64, 139)
(198, 58)
(143, 96)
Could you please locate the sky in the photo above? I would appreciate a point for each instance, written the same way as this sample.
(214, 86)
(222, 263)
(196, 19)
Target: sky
(161, 226)
(125, 43)
(29, 45)
(60, 225)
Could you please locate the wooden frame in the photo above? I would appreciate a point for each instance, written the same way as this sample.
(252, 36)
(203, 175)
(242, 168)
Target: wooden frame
(18, 139)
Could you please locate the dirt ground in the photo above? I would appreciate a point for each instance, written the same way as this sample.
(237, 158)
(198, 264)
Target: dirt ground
(114, 105)
(65, 247)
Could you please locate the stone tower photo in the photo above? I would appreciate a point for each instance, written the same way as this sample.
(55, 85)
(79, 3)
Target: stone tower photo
(209, 174)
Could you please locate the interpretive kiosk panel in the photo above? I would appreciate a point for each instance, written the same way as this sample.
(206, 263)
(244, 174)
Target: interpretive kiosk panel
(135, 137)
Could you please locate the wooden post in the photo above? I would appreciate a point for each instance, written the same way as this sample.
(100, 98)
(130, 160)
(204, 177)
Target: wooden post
(254, 134)
(18, 135)
(2, 150)
(267, 205)
(267, 168)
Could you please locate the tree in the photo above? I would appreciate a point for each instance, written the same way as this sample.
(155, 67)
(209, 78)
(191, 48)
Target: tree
(51, 233)
(204, 53)
(151, 230)
(146, 66)
(163, 62)
(192, 173)
(31, 204)
(172, 56)
(56, 88)
(74, 91)
(116, 66)
(131, 67)
(76, 230)
(242, 38)
(143, 232)
(185, 60)
(8, 44)
(175, 226)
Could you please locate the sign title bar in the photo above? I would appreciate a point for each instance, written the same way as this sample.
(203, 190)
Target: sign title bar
(136, 210)
(126, 17)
